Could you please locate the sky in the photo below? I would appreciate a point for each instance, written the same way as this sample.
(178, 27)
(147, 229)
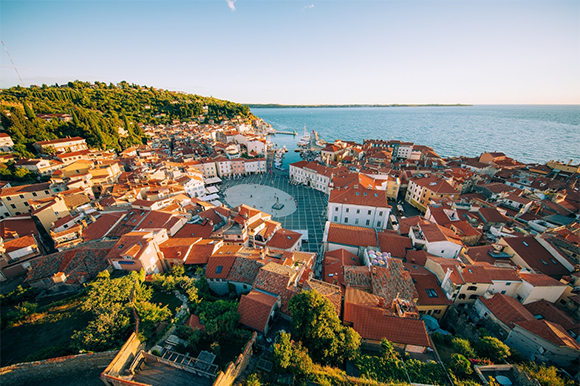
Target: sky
(304, 52)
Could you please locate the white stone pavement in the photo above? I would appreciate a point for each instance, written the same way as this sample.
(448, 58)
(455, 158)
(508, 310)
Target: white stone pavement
(260, 197)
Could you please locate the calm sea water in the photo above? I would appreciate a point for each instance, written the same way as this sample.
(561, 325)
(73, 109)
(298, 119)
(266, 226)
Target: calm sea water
(525, 133)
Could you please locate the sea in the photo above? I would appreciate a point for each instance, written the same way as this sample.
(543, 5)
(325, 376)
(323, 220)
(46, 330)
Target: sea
(527, 133)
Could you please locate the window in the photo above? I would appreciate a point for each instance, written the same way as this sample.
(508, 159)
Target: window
(369, 212)
(443, 251)
(508, 283)
(368, 222)
(472, 288)
(503, 292)
(346, 220)
(431, 293)
(25, 204)
(335, 218)
(46, 192)
(473, 297)
(336, 209)
(358, 211)
(219, 269)
(461, 296)
(22, 196)
(8, 198)
(378, 224)
(13, 206)
(381, 213)
(34, 194)
(347, 210)
(437, 312)
(356, 221)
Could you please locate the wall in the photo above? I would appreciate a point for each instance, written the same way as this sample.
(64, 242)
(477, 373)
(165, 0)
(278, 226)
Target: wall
(69, 366)
(123, 359)
(236, 368)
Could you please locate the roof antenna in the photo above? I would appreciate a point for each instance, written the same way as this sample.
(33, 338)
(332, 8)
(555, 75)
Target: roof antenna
(13, 65)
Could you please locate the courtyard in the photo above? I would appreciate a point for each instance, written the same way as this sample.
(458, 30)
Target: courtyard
(304, 208)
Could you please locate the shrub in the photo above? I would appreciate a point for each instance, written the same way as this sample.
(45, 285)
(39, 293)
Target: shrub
(463, 347)
(492, 348)
(460, 365)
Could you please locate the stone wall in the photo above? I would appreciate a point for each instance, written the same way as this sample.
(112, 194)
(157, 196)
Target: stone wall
(234, 369)
(62, 367)
(113, 374)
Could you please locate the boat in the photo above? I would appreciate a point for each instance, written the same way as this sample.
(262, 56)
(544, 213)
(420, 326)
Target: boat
(305, 139)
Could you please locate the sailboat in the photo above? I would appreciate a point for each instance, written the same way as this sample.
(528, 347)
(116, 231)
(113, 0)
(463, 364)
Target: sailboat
(305, 140)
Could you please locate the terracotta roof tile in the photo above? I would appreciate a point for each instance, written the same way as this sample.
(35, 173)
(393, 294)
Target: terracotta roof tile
(351, 235)
(551, 313)
(507, 309)
(255, 309)
(394, 244)
(540, 280)
(551, 332)
(372, 323)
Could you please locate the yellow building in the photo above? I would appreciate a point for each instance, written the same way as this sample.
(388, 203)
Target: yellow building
(48, 210)
(15, 199)
(422, 190)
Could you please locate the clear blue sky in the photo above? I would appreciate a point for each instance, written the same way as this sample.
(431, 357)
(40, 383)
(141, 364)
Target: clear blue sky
(304, 52)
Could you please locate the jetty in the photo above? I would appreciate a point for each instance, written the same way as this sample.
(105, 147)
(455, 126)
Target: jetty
(293, 132)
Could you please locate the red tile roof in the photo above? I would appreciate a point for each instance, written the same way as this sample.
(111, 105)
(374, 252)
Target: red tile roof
(536, 256)
(218, 267)
(507, 309)
(255, 309)
(427, 285)
(351, 235)
(553, 333)
(334, 263)
(396, 245)
(372, 323)
(540, 280)
(553, 314)
(284, 239)
(358, 195)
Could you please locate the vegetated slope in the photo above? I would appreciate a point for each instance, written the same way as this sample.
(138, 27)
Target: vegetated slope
(98, 111)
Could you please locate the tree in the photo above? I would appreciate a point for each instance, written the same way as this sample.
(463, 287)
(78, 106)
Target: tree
(546, 376)
(387, 350)
(291, 356)
(463, 347)
(28, 111)
(492, 348)
(460, 365)
(316, 324)
(253, 380)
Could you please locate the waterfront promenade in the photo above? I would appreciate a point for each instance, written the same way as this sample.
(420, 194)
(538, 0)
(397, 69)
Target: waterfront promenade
(306, 212)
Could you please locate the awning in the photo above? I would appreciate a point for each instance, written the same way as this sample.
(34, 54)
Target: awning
(209, 197)
(212, 189)
(212, 180)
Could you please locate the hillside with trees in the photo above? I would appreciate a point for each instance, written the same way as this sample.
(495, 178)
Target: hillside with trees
(99, 110)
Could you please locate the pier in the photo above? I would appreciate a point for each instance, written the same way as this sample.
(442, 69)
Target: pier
(285, 132)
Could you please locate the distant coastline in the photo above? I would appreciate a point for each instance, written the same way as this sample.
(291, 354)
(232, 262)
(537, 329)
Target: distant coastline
(273, 105)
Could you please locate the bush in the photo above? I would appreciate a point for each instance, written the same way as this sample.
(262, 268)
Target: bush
(463, 347)
(460, 365)
(547, 376)
(492, 348)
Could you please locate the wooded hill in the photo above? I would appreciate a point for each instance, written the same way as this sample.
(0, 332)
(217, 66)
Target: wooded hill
(98, 110)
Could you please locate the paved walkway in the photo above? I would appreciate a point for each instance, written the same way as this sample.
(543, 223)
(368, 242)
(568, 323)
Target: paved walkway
(304, 208)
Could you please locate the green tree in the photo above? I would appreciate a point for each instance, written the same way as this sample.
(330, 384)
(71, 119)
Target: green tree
(28, 111)
(291, 356)
(492, 348)
(463, 347)
(21, 150)
(546, 376)
(316, 324)
(253, 380)
(460, 365)
(387, 350)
